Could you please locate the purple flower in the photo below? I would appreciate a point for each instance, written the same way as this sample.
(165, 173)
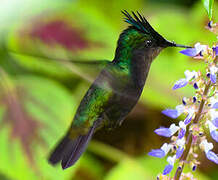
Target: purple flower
(184, 81)
(214, 116)
(215, 105)
(184, 101)
(157, 153)
(215, 122)
(179, 152)
(191, 112)
(195, 85)
(215, 50)
(162, 131)
(170, 113)
(190, 74)
(181, 133)
(167, 132)
(180, 83)
(174, 113)
(212, 156)
(213, 130)
(194, 168)
(180, 143)
(210, 24)
(213, 78)
(187, 119)
(168, 168)
(160, 152)
(213, 71)
(214, 135)
(194, 99)
(192, 52)
(207, 149)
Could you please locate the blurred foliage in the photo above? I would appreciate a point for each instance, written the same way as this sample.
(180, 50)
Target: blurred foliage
(208, 4)
(41, 88)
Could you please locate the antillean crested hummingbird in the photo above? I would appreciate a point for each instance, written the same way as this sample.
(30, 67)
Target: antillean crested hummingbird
(115, 91)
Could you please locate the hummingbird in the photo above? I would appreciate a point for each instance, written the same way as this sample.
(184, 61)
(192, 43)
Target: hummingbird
(115, 91)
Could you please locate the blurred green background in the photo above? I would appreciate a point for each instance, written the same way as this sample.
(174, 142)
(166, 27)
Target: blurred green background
(39, 96)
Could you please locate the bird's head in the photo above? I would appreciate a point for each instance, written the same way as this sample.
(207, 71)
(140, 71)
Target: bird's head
(141, 35)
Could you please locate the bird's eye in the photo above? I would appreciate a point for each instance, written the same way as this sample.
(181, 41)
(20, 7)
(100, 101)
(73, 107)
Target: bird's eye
(148, 43)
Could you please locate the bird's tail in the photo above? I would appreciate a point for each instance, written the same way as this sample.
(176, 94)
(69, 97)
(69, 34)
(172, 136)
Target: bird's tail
(68, 151)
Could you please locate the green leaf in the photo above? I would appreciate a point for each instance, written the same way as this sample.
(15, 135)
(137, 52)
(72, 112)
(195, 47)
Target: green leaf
(48, 103)
(208, 4)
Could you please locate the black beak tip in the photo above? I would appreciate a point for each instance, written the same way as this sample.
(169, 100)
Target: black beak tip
(182, 46)
(172, 44)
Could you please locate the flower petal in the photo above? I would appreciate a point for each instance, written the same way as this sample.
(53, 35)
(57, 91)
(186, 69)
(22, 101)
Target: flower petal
(180, 142)
(200, 47)
(181, 133)
(212, 156)
(194, 51)
(168, 168)
(214, 116)
(213, 130)
(180, 109)
(195, 85)
(179, 152)
(180, 83)
(215, 122)
(167, 132)
(157, 153)
(215, 105)
(190, 74)
(214, 135)
(194, 167)
(213, 71)
(215, 50)
(213, 78)
(206, 145)
(189, 52)
(171, 159)
(173, 129)
(170, 113)
(166, 147)
(182, 125)
(187, 119)
(162, 131)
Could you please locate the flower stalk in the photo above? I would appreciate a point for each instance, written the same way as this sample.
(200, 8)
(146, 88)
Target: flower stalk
(189, 141)
(201, 116)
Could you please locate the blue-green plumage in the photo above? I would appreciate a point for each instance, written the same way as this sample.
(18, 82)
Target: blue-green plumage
(115, 91)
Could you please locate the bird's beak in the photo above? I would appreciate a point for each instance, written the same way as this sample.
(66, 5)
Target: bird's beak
(172, 44)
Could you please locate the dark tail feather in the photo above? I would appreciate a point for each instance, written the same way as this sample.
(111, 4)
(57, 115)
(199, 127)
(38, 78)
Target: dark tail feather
(76, 150)
(59, 150)
(69, 151)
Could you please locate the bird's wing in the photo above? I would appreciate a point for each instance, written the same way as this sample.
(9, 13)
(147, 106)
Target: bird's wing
(92, 106)
(87, 69)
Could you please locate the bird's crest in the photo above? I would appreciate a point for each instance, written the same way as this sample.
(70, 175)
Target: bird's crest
(141, 24)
